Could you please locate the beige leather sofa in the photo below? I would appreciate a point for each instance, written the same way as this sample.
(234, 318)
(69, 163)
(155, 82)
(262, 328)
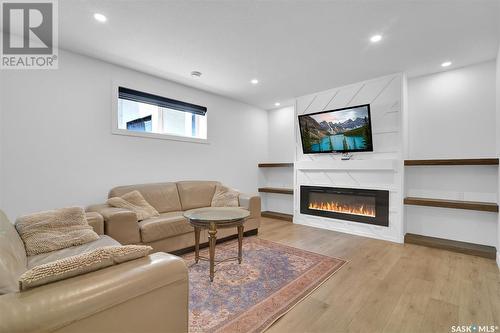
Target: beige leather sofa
(144, 295)
(170, 232)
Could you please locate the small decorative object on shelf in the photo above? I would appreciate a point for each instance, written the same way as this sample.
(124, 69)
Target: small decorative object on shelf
(346, 156)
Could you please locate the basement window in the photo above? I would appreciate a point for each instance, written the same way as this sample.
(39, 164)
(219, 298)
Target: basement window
(143, 114)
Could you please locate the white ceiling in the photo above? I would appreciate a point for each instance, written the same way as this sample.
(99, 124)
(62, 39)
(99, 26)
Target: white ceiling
(292, 47)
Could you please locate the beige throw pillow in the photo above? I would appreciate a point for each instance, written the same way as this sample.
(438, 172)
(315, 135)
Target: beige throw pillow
(225, 197)
(136, 203)
(54, 230)
(80, 264)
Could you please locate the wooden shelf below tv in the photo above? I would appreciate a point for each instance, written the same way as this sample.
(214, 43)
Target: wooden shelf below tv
(276, 190)
(466, 161)
(277, 215)
(455, 204)
(275, 165)
(452, 245)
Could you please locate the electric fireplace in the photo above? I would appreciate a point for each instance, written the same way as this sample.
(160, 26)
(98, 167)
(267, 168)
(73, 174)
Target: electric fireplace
(358, 205)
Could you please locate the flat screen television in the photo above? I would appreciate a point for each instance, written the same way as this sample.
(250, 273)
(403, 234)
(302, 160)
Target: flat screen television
(342, 130)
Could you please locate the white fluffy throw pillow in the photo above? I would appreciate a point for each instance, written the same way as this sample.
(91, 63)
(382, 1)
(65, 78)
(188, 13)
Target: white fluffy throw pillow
(80, 264)
(225, 197)
(54, 230)
(136, 203)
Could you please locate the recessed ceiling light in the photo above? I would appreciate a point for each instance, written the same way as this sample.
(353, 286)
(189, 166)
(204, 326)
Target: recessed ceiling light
(277, 104)
(195, 74)
(254, 81)
(446, 64)
(375, 38)
(99, 17)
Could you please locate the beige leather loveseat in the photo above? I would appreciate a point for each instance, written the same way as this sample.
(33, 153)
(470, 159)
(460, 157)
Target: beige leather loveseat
(149, 294)
(169, 232)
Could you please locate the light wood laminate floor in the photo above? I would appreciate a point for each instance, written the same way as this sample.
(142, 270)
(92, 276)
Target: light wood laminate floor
(388, 287)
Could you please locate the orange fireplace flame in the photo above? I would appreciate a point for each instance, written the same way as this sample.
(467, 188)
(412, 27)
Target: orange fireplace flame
(346, 209)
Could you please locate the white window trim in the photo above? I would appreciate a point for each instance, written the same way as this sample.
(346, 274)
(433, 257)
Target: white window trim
(114, 116)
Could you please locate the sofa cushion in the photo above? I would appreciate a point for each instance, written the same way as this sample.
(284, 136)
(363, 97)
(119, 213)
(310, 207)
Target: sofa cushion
(54, 229)
(12, 256)
(80, 264)
(135, 202)
(44, 258)
(196, 194)
(164, 226)
(162, 196)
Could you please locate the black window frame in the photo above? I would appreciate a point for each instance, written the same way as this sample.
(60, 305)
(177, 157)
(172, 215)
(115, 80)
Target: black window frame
(160, 101)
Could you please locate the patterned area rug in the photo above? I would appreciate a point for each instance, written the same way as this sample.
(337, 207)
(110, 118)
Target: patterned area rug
(250, 297)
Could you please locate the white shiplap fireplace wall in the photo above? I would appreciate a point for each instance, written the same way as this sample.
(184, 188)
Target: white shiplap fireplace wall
(381, 169)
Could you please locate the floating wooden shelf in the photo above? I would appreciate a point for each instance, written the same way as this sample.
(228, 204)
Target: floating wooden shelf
(276, 190)
(468, 161)
(277, 215)
(275, 165)
(451, 245)
(456, 204)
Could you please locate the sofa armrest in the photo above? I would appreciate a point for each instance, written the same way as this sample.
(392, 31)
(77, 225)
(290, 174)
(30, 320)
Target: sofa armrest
(252, 203)
(119, 223)
(96, 221)
(149, 294)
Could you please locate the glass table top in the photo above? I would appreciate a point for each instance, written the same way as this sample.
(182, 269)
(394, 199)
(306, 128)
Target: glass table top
(217, 214)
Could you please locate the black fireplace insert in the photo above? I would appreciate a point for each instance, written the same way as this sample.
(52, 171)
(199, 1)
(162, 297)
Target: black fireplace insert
(358, 205)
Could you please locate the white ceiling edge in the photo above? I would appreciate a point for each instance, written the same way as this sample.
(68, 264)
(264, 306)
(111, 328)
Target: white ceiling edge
(283, 104)
(160, 77)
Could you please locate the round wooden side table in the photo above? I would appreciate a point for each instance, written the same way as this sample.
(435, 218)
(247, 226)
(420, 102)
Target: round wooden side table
(212, 218)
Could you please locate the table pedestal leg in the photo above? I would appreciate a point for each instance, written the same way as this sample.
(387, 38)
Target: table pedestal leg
(212, 231)
(240, 243)
(196, 244)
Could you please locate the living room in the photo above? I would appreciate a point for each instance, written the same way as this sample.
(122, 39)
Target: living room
(319, 166)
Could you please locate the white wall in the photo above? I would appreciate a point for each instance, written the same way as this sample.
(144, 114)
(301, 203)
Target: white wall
(58, 149)
(451, 115)
(281, 136)
(498, 147)
(280, 148)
